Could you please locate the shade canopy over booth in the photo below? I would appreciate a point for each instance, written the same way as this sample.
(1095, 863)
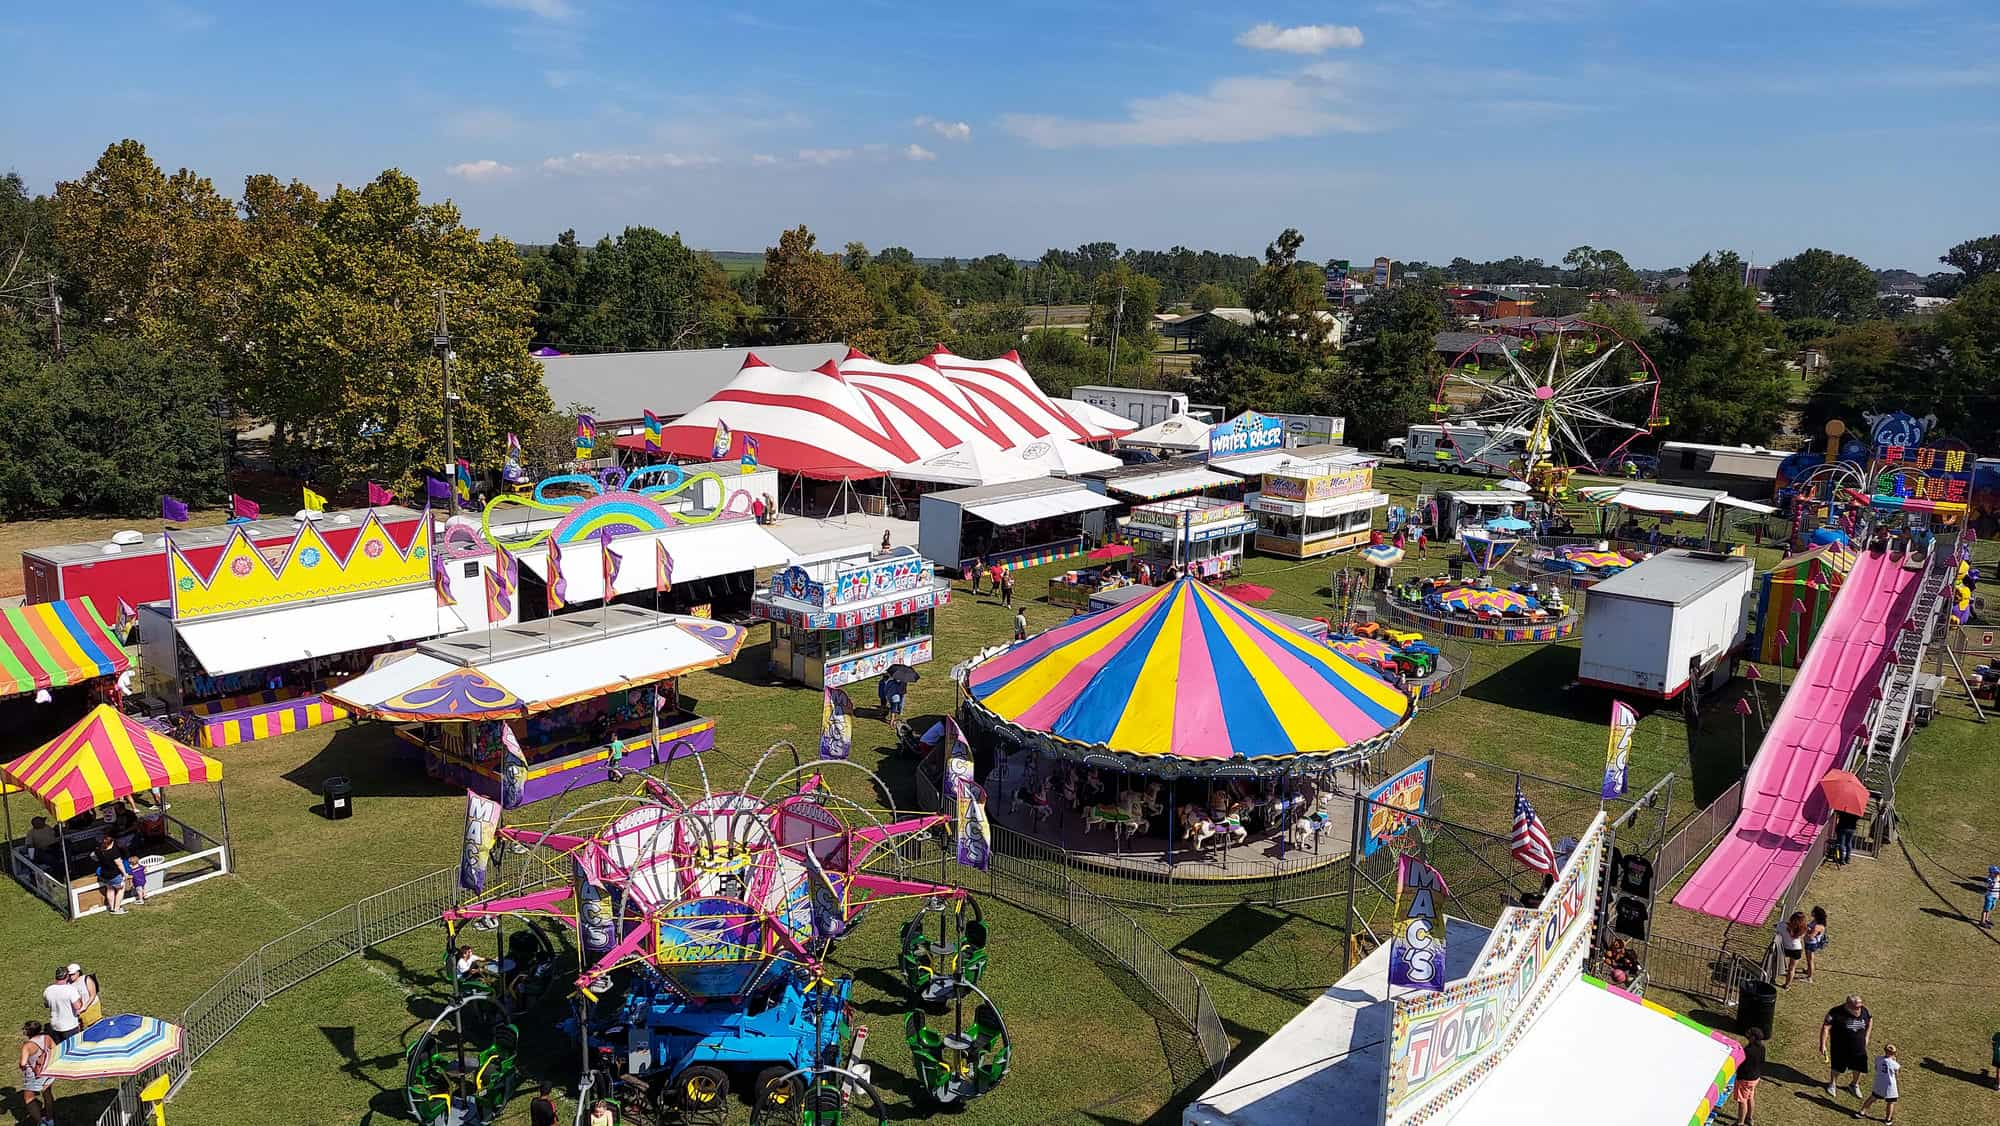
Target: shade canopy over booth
(107, 755)
(1187, 676)
(56, 644)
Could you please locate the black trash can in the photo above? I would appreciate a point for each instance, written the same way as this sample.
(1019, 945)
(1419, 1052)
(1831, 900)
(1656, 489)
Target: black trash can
(337, 798)
(1756, 1006)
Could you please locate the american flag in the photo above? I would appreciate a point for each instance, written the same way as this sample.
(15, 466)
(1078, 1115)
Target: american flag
(1531, 840)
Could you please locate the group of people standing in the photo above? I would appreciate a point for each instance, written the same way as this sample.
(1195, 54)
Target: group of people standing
(74, 1004)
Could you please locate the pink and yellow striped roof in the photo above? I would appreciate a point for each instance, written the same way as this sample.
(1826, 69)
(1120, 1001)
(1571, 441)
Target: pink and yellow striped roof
(107, 755)
(1190, 673)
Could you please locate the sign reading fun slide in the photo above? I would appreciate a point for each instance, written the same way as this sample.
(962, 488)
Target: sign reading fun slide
(1441, 1044)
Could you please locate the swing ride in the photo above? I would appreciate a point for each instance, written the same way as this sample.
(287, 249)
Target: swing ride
(704, 924)
(1574, 396)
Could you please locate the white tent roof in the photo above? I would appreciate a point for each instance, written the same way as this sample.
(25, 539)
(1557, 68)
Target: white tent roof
(971, 463)
(1090, 414)
(1177, 432)
(1061, 456)
(1020, 510)
(1015, 402)
(1167, 482)
(280, 636)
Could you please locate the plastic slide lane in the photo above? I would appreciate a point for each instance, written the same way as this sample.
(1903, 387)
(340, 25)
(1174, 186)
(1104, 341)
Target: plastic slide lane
(1782, 807)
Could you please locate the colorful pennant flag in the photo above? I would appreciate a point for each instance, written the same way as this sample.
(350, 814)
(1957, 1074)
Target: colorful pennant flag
(558, 586)
(173, 511)
(499, 598)
(975, 836)
(836, 724)
(243, 507)
(482, 824)
(436, 488)
(586, 437)
(377, 495)
(313, 501)
(749, 453)
(1416, 946)
(1618, 749)
(612, 561)
(127, 618)
(511, 468)
(513, 768)
(663, 567)
(462, 484)
(719, 448)
(441, 580)
(655, 436)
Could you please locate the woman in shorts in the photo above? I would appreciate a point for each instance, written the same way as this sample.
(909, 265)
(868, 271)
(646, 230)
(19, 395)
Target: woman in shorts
(36, 1048)
(1747, 1074)
(1792, 942)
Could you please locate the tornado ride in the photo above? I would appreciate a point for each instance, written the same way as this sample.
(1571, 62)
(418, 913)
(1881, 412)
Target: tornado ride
(704, 925)
(1573, 395)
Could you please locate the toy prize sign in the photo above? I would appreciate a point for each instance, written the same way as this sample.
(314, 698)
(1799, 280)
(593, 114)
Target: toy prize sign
(1391, 805)
(1618, 749)
(1416, 946)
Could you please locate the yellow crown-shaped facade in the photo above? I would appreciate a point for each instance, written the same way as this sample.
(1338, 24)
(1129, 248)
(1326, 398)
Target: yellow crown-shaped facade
(307, 568)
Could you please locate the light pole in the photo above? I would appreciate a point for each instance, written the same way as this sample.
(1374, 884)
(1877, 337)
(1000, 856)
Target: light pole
(441, 340)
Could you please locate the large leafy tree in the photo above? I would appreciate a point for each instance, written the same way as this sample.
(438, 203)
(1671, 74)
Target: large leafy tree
(1591, 268)
(1393, 367)
(1819, 283)
(646, 290)
(1974, 258)
(111, 427)
(1723, 379)
(556, 272)
(346, 313)
(808, 296)
(906, 319)
(28, 256)
(1141, 299)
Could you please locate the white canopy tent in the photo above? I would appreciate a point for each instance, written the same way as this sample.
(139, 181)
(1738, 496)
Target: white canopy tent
(1061, 457)
(289, 634)
(1180, 433)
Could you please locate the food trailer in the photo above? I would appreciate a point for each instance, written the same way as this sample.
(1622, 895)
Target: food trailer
(579, 696)
(1314, 508)
(1203, 535)
(849, 616)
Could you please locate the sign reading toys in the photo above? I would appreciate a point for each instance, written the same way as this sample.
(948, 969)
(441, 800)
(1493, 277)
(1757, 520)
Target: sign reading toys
(1247, 433)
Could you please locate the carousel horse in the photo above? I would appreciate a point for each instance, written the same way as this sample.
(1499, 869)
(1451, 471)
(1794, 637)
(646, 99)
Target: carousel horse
(1126, 819)
(1035, 795)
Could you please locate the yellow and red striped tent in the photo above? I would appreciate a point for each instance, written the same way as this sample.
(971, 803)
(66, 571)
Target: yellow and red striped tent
(106, 756)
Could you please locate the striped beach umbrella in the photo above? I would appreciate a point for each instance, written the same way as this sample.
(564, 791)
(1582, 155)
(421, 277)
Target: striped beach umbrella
(126, 1044)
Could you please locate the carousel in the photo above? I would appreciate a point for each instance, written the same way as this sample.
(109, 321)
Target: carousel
(1181, 732)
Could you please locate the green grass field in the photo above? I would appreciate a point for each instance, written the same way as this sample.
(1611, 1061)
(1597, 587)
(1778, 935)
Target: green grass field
(1091, 1045)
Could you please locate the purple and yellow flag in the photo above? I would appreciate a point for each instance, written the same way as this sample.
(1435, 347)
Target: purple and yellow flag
(612, 562)
(441, 579)
(558, 586)
(663, 566)
(499, 597)
(586, 437)
(654, 433)
(1416, 946)
(719, 448)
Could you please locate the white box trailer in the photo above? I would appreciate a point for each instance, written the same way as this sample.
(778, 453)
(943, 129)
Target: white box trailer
(1649, 628)
(1139, 404)
(1465, 449)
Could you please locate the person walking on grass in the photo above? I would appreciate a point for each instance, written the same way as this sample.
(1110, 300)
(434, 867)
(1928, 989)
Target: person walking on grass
(37, 1093)
(1885, 1088)
(1747, 1074)
(542, 1111)
(1020, 625)
(1843, 1043)
(1992, 900)
(1007, 588)
(1815, 938)
(1792, 943)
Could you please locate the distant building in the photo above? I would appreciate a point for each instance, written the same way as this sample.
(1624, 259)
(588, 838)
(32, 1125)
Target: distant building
(1461, 348)
(1186, 331)
(1485, 304)
(620, 387)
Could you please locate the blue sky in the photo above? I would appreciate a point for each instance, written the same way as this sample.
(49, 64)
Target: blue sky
(1413, 128)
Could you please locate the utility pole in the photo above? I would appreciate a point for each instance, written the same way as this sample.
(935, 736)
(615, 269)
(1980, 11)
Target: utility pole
(441, 340)
(55, 307)
(1118, 318)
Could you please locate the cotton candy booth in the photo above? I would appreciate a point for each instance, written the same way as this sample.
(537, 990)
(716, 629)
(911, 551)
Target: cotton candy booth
(1182, 725)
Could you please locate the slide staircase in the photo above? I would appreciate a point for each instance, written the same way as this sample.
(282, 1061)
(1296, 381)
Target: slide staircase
(1891, 724)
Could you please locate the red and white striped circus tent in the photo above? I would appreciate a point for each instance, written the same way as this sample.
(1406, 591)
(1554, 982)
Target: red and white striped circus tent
(862, 418)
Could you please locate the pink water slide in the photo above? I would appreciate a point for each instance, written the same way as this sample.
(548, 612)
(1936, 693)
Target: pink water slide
(1827, 704)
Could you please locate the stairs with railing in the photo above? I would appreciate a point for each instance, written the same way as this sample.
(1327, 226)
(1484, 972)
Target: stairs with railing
(1881, 758)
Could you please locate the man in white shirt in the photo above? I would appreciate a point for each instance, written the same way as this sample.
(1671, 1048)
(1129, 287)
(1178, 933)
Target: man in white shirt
(65, 1000)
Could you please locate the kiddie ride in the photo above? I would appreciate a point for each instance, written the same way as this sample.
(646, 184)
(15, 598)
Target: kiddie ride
(704, 927)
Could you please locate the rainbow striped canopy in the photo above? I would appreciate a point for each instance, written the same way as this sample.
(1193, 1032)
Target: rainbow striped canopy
(1191, 674)
(52, 644)
(1470, 598)
(1369, 651)
(107, 755)
(1603, 560)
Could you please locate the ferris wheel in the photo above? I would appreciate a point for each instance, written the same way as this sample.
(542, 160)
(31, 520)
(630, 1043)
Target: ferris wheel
(1567, 395)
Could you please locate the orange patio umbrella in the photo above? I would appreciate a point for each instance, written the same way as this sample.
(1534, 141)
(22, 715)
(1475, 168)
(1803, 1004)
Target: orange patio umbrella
(1844, 792)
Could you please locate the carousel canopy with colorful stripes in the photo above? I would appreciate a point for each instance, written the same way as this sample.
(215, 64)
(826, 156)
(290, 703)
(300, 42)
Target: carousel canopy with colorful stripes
(106, 756)
(52, 644)
(1191, 674)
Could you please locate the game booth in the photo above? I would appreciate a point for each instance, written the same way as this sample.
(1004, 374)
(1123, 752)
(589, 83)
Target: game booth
(1201, 536)
(244, 649)
(839, 620)
(55, 659)
(1452, 1022)
(1316, 508)
(108, 775)
(1181, 727)
(527, 712)
(1013, 525)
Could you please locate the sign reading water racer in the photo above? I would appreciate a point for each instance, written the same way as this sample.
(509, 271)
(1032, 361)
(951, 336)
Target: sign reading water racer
(1247, 433)
(1441, 1043)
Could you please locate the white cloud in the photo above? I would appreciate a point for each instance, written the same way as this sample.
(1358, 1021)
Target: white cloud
(949, 130)
(480, 171)
(763, 158)
(557, 79)
(1307, 39)
(824, 156)
(554, 10)
(1229, 110)
(613, 163)
(918, 152)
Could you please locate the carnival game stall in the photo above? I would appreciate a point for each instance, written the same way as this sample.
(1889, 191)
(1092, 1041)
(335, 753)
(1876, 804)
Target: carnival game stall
(528, 712)
(1315, 508)
(243, 650)
(1622, 510)
(1182, 724)
(1011, 526)
(90, 780)
(1480, 611)
(1199, 535)
(838, 620)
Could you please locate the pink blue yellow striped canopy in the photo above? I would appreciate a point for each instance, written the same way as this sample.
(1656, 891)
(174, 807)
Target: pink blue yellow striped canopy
(1192, 674)
(1602, 560)
(1472, 598)
(1370, 651)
